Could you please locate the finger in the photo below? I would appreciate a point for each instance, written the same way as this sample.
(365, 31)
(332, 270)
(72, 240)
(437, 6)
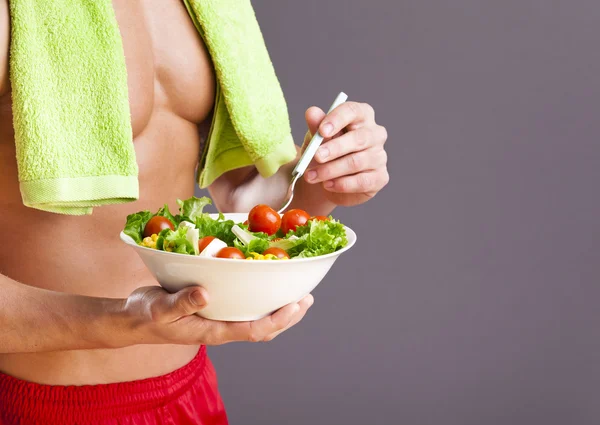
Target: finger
(353, 141)
(350, 164)
(314, 116)
(279, 320)
(305, 304)
(365, 182)
(344, 115)
(183, 303)
(218, 333)
(222, 332)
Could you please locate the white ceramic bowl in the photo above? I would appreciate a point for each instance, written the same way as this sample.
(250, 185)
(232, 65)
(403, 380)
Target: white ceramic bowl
(239, 290)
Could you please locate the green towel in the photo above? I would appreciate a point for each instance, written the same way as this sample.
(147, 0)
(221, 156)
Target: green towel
(71, 111)
(251, 123)
(70, 106)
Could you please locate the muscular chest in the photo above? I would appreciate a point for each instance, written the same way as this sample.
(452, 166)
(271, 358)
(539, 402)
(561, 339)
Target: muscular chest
(168, 66)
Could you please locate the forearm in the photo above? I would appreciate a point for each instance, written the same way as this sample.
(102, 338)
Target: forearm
(38, 320)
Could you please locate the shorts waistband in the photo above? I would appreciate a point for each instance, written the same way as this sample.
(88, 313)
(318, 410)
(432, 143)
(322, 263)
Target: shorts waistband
(46, 403)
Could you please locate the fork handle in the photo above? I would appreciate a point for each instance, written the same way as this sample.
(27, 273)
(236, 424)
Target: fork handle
(316, 141)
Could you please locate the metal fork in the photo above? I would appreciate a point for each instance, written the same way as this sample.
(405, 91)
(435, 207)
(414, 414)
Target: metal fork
(308, 155)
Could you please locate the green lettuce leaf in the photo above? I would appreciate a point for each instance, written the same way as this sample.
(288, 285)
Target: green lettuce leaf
(219, 228)
(325, 237)
(134, 227)
(262, 235)
(255, 245)
(192, 208)
(300, 231)
(175, 241)
(292, 246)
(314, 239)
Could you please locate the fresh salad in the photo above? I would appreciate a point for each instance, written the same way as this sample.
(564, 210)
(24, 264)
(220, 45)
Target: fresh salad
(264, 236)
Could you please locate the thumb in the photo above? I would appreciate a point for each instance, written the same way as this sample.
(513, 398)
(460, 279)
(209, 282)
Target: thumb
(186, 302)
(314, 115)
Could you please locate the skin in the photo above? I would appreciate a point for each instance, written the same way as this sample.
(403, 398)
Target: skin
(85, 310)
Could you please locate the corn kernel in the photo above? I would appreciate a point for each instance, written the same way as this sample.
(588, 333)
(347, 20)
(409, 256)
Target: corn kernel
(148, 242)
(257, 256)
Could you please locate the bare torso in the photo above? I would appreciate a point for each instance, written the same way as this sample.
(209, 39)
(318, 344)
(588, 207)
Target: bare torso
(171, 93)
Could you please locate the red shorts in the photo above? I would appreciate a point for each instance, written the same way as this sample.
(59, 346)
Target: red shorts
(186, 396)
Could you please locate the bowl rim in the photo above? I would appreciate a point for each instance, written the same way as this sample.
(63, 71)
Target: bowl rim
(350, 234)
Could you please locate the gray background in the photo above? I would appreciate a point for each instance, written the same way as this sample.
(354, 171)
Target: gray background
(472, 296)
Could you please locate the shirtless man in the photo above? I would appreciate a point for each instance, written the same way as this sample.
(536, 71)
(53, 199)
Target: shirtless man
(79, 308)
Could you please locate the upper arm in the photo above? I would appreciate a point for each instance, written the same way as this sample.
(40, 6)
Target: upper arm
(4, 45)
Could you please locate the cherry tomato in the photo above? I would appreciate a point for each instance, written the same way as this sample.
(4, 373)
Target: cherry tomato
(292, 219)
(232, 253)
(263, 218)
(246, 223)
(277, 252)
(156, 224)
(204, 242)
(320, 218)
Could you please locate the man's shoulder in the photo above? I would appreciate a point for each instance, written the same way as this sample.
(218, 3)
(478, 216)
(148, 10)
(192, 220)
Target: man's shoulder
(4, 45)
